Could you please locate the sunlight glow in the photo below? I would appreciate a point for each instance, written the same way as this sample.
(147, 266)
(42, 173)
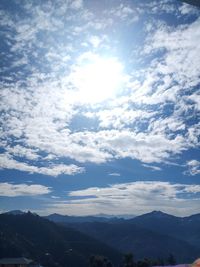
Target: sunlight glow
(98, 80)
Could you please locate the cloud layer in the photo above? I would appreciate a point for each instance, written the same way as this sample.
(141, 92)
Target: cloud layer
(133, 198)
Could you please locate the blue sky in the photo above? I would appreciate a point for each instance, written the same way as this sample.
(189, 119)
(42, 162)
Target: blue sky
(100, 106)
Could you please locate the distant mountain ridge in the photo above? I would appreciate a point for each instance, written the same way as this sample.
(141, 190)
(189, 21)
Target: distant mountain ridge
(152, 234)
(55, 217)
(183, 228)
(80, 219)
(15, 212)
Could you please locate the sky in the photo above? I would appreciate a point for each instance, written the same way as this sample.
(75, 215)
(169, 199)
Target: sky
(100, 106)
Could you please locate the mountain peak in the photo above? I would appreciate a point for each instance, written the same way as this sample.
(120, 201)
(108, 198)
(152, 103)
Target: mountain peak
(156, 214)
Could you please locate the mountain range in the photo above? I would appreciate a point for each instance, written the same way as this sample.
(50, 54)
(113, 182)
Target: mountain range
(58, 218)
(57, 238)
(155, 234)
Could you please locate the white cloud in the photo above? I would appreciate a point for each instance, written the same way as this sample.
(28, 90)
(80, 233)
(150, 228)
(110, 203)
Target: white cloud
(181, 46)
(55, 197)
(15, 190)
(193, 167)
(192, 189)
(7, 162)
(196, 99)
(146, 196)
(147, 147)
(119, 117)
(159, 7)
(188, 9)
(114, 174)
(76, 4)
(154, 168)
(38, 111)
(95, 41)
(22, 151)
(122, 12)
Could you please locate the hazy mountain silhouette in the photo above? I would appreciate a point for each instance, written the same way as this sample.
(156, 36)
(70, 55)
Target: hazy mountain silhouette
(79, 219)
(152, 235)
(183, 228)
(15, 212)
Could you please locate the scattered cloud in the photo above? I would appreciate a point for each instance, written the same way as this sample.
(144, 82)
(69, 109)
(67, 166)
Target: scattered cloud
(76, 4)
(95, 41)
(120, 117)
(15, 190)
(7, 162)
(150, 120)
(21, 151)
(125, 13)
(159, 7)
(114, 174)
(193, 167)
(154, 168)
(180, 46)
(55, 197)
(188, 9)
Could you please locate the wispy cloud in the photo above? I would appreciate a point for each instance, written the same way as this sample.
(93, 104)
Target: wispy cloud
(133, 198)
(124, 12)
(151, 188)
(114, 174)
(154, 168)
(15, 190)
(7, 162)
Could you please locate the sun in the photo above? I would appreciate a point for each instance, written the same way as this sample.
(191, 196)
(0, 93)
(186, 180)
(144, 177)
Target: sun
(98, 80)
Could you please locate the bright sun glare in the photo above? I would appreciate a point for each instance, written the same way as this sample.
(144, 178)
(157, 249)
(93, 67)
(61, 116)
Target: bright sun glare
(98, 80)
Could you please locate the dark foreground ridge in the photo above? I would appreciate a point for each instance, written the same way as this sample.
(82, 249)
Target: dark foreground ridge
(28, 235)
